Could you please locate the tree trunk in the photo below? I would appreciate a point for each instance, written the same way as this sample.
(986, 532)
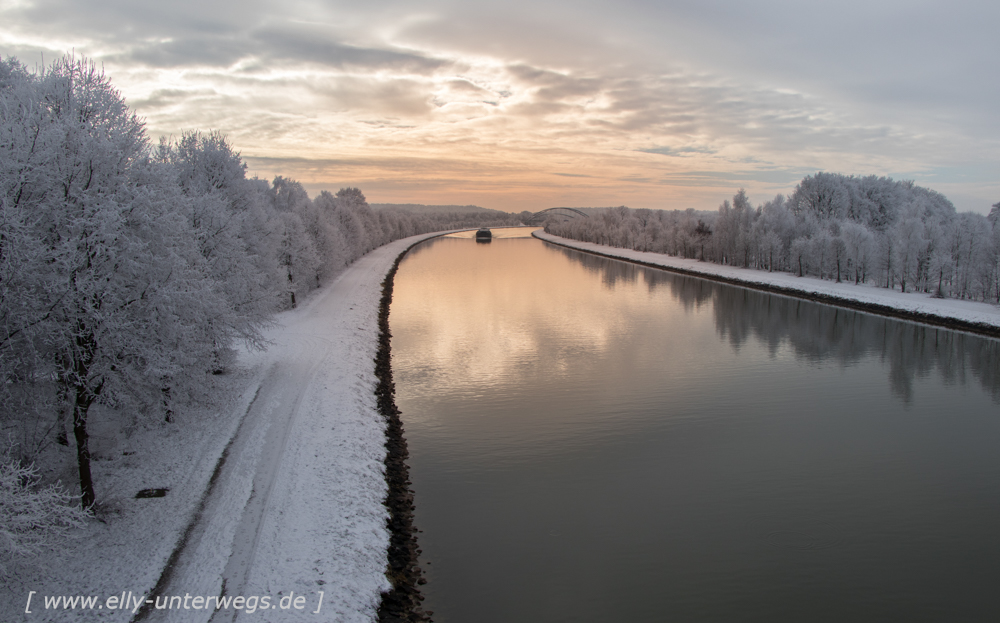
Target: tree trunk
(165, 400)
(63, 412)
(80, 409)
(84, 398)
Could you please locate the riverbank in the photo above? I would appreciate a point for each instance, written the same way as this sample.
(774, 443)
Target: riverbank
(403, 602)
(970, 316)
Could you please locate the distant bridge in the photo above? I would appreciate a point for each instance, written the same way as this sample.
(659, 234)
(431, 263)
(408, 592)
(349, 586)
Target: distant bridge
(558, 214)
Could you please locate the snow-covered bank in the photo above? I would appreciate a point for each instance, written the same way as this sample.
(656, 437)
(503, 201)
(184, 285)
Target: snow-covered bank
(973, 316)
(281, 492)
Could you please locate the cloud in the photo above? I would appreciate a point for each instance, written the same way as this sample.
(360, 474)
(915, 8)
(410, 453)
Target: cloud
(678, 151)
(161, 98)
(272, 47)
(201, 50)
(308, 45)
(638, 101)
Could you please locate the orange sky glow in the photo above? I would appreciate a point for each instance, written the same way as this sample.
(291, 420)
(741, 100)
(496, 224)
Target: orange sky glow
(520, 106)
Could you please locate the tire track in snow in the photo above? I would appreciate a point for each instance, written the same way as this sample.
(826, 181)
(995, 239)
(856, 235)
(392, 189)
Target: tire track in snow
(288, 385)
(226, 531)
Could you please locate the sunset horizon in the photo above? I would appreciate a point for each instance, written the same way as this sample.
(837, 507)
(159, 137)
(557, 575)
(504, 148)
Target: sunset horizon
(524, 108)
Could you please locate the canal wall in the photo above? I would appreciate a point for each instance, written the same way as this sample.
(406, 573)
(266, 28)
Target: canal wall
(403, 602)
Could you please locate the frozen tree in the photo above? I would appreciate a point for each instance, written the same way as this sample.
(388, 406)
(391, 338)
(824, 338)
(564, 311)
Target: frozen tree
(297, 258)
(350, 206)
(333, 246)
(824, 195)
(771, 248)
(821, 252)
(725, 233)
(895, 233)
(288, 195)
(33, 519)
(319, 221)
(858, 243)
(744, 217)
(993, 255)
(909, 249)
(22, 132)
(119, 298)
(969, 239)
(232, 225)
(838, 249)
(940, 264)
(702, 234)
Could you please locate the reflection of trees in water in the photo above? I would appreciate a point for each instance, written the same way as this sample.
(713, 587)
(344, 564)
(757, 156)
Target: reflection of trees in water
(611, 272)
(818, 332)
(822, 332)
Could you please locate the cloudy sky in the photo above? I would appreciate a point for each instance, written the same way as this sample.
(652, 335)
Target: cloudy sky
(527, 105)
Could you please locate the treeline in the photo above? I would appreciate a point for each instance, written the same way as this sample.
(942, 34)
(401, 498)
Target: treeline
(843, 228)
(129, 270)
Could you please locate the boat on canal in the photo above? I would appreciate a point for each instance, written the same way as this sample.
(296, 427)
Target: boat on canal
(484, 234)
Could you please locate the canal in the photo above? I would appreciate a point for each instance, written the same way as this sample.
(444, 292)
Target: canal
(592, 440)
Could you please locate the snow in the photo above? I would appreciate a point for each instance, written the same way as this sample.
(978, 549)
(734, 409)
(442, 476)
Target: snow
(879, 300)
(296, 506)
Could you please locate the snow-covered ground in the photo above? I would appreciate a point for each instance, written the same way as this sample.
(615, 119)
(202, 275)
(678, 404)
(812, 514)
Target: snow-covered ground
(293, 510)
(916, 305)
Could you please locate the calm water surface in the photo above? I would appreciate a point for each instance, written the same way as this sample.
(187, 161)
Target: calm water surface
(596, 441)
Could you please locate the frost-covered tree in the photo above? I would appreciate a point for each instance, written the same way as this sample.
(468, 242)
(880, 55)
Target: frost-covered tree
(910, 249)
(349, 206)
(874, 229)
(297, 257)
(34, 520)
(232, 225)
(858, 243)
(771, 250)
(823, 195)
(23, 133)
(117, 289)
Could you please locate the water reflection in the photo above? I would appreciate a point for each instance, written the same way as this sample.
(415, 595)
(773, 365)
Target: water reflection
(818, 332)
(596, 441)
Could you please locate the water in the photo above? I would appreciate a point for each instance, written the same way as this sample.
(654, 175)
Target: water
(596, 441)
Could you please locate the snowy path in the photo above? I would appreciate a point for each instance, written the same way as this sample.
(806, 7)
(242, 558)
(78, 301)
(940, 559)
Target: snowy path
(979, 317)
(296, 508)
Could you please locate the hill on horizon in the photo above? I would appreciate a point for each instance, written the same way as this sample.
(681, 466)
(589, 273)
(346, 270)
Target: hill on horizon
(420, 208)
(596, 211)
